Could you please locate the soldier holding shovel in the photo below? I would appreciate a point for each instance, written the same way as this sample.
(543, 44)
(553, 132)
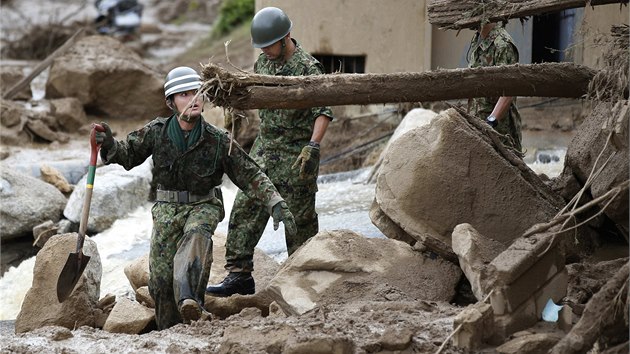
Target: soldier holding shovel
(190, 157)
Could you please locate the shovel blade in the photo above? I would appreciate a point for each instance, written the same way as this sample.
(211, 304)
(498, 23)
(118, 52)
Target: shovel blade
(70, 274)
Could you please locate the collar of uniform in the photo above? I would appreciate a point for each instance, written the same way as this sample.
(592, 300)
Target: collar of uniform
(294, 58)
(486, 42)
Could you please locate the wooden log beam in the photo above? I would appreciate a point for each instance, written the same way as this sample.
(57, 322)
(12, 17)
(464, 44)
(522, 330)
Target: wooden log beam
(248, 91)
(457, 14)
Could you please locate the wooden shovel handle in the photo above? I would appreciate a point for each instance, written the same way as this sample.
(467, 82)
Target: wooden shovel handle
(94, 147)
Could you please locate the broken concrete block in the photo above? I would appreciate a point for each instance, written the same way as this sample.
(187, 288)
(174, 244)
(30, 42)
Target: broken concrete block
(477, 323)
(522, 317)
(523, 254)
(475, 252)
(555, 289)
(530, 311)
(506, 298)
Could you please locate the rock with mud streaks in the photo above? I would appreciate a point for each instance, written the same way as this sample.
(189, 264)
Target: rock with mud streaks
(443, 174)
(341, 266)
(41, 307)
(109, 77)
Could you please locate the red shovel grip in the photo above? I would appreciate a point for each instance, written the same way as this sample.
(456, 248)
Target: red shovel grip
(94, 147)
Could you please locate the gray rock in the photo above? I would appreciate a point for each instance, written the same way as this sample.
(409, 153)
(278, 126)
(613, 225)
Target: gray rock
(116, 193)
(72, 170)
(26, 203)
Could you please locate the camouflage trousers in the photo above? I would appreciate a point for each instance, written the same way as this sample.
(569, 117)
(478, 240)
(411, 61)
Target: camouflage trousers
(181, 255)
(249, 218)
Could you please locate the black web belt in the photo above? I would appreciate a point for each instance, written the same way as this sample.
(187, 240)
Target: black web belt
(182, 196)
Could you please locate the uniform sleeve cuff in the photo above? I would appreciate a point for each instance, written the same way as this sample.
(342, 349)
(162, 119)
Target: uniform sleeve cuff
(109, 154)
(273, 201)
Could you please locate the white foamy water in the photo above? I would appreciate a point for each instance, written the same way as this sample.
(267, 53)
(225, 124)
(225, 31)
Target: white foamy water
(343, 202)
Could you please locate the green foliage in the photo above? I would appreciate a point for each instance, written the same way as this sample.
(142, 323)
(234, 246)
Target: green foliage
(232, 14)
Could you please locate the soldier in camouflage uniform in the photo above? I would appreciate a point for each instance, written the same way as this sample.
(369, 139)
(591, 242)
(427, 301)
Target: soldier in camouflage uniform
(190, 157)
(492, 45)
(287, 149)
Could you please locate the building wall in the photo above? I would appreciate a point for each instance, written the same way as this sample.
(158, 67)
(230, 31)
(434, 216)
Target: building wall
(594, 24)
(394, 35)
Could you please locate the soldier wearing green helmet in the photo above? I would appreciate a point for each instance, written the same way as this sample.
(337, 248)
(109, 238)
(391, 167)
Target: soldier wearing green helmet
(190, 158)
(287, 149)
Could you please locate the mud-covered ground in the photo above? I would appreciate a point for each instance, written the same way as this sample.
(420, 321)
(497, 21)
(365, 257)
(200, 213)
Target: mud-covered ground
(407, 326)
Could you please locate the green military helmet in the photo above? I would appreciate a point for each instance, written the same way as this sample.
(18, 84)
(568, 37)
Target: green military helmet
(180, 79)
(269, 26)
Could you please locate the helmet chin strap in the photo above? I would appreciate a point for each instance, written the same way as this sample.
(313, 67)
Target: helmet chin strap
(179, 115)
(283, 51)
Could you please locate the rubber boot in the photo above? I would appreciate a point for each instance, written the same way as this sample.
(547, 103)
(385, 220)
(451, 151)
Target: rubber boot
(234, 283)
(190, 310)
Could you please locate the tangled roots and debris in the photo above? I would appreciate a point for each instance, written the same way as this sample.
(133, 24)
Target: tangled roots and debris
(611, 83)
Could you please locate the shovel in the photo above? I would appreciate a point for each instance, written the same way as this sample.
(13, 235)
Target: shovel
(76, 263)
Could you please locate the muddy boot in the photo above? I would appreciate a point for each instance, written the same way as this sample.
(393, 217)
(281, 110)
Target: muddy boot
(190, 311)
(234, 283)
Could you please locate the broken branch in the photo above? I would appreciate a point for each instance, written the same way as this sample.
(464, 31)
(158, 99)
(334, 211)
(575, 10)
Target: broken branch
(613, 193)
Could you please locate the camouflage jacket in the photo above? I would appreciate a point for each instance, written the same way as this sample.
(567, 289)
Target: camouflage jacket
(284, 132)
(197, 170)
(496, 49)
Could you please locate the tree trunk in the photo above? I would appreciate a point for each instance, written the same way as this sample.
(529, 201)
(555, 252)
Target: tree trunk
(600, 311)
(248, 91)
(457, 14)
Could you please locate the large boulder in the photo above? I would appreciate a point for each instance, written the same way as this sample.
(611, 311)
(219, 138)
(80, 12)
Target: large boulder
(26, 203)
(107, 77)
(341, 266)
(454, 176)
(116, 193)
(584, 150)
(415, 118)
(40, 306)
